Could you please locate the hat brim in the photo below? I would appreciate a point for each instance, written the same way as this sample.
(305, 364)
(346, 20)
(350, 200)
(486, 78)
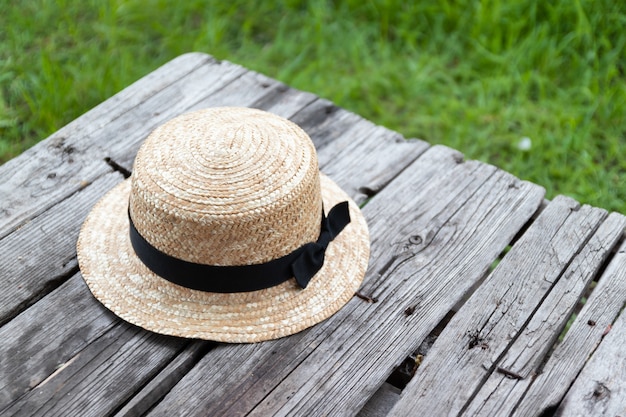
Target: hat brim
(123, 284)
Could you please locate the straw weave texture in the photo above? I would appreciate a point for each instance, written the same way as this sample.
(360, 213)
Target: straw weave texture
(222, 186)
(234, 186)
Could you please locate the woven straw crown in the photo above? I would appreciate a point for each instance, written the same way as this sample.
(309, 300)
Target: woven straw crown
(227, 187)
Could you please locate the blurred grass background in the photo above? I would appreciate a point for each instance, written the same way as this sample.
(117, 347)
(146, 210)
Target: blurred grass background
(537, 88)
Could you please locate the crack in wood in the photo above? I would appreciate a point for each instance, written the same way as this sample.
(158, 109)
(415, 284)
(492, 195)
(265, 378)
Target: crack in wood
(550, 411)
(49, 286)
(117, 167)
(404, 372)
(148, 395)
(613, 251)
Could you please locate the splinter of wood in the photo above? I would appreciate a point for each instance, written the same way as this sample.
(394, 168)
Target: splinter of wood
(366, 297)
(509, 374)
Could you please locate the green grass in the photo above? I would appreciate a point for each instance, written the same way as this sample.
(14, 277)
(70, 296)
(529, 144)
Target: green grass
(475, 75)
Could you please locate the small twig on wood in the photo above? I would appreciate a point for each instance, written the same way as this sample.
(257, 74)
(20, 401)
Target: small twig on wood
(509, 374)
(366, 297)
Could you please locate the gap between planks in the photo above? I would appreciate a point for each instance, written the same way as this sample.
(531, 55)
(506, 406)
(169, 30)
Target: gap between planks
(319, 384)
(427, 403)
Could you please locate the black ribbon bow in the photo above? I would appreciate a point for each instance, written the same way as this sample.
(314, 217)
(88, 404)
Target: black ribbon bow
(312, 258)
(302, 264)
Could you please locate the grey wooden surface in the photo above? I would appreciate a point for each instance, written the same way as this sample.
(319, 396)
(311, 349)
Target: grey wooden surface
(471, 272)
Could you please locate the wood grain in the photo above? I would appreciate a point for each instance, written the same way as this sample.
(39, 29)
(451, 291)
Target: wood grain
(50, 333)
(324, 121)
(426, 252)
(381, 402)
(160, 385)
(501, 394)
(378, 150)
(101, 376)
(474, 341)
(581, 341)
(39, 255)
(600, 389)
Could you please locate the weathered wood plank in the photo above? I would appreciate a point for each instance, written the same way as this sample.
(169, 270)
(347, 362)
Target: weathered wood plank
(123, 137)
(57, 167)
(287, 102)
(165, 380)
(470, 347)
(582, 339)
(382, 152)
(47, 335)
(435, 230)
(90, 383)
(381, 402)
(40, 254)
(324, 121)
(68, 351)
(501, 393)
(600, 389)
(233, 378)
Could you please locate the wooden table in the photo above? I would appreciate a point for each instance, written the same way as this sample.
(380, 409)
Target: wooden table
(472, 278)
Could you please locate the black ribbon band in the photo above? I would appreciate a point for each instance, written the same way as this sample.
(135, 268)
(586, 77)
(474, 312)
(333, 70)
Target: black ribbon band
(301, 264)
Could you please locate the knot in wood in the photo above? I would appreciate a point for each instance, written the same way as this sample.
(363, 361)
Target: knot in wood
(600, 392)
(476, 340)
(415, 240)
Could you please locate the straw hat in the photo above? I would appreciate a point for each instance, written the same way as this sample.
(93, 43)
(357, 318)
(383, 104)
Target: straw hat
(225, 231)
